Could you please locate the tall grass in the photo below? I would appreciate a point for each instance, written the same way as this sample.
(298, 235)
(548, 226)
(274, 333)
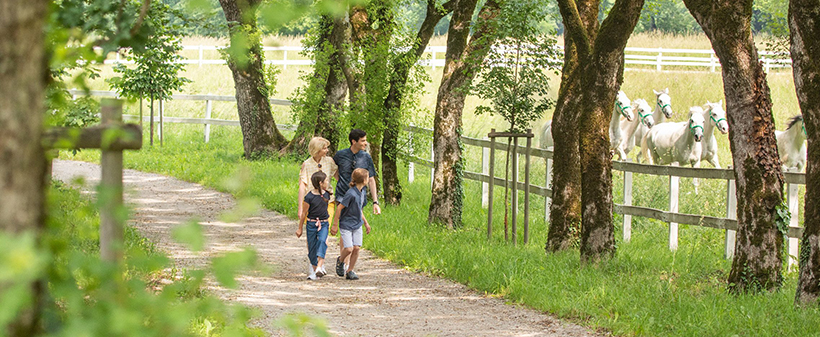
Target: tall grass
(645, 290)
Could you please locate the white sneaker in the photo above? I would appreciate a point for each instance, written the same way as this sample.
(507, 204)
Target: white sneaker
(312, 277)
(320, 272)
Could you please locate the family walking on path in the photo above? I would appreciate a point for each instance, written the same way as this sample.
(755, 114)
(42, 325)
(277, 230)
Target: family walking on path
(355, 174)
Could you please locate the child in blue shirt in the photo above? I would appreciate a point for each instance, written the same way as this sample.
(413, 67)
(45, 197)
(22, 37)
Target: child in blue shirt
(350, 218)
(315, 217)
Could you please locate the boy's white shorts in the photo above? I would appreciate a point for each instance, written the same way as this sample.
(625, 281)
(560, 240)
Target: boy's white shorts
(351, 238)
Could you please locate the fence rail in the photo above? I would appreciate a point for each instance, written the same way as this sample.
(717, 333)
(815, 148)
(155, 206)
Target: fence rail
(671, 216)
(656, 58)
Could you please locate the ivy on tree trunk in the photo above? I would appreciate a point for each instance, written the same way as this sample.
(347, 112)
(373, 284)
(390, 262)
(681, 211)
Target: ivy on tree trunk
(462, 61)
(757, 262)
(804, 24)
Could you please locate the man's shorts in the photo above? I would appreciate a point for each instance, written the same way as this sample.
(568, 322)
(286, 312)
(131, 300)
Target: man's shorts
(351, 238)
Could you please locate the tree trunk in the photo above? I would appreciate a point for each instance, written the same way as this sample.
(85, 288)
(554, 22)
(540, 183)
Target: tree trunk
(260, 136)
(462, 62)
(601, 59)
(757, 260)
(22, 159)
(324, 121)
(392, 104)
(804, 23)
(565, 210)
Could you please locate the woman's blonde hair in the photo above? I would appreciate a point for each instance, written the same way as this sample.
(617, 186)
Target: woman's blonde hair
(358, 177)
(317, 144)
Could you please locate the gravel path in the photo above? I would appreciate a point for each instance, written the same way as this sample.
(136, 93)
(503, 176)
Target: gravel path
(386, 301)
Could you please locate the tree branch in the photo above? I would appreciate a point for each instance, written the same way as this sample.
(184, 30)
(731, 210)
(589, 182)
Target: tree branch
(146, 4)
(575, 27)
(618, 24)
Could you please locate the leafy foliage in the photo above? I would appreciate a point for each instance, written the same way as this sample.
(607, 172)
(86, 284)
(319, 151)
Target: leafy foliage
(155, 75)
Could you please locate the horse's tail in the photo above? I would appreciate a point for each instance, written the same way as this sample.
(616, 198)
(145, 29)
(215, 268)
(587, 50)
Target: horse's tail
(546, 135)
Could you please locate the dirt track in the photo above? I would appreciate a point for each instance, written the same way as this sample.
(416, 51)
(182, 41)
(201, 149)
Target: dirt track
(386, 301)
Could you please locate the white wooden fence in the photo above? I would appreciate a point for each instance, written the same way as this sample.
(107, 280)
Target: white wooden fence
(671, 215)
(656, 59)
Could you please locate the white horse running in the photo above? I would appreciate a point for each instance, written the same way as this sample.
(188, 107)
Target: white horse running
(791, 144)
(621, 108)
(628, 127)
(662, 111)
(675, 142)
(715, 118)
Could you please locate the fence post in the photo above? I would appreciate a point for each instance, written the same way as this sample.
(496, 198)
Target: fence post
(527, 188)
(492, 185)
(674, 189)
(485, 169)
(432, 159)
(411, 167)
(547, 184)
(794, 209)
(286, 59)
(201, 54)
(731, 213)
(161, 124)
(712, 60)
(433, 60)
(111, 223)
(660, 59)
(627, 202)
(208, 107)
(513, 229)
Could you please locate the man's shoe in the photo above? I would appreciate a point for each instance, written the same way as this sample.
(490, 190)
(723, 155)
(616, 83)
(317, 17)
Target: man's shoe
(340, 267)
(352, 276)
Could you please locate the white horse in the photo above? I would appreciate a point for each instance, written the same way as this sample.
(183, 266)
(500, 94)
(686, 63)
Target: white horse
(621, 108)
(628, 127)
(675, 142)
(662, 111)
(716, 118)
(791, 144)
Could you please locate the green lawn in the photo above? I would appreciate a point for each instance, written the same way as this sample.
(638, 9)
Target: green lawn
(644, 290)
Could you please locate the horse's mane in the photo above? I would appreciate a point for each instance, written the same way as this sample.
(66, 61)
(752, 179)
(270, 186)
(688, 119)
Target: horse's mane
(794, 120)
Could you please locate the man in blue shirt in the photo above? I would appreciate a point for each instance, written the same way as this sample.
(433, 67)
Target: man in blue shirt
(352, 158)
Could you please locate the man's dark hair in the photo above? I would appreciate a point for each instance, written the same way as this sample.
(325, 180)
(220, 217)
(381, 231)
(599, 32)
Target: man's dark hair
(356, 134)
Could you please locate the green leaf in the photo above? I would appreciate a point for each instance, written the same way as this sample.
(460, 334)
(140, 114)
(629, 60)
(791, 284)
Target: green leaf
(190, 234)
(226, 267)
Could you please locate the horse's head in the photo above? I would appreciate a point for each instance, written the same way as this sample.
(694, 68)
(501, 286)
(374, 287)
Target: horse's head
(794, 121)
(664, 102)
(644, 112)
(696, 122)
(717, 115)
(623, 106)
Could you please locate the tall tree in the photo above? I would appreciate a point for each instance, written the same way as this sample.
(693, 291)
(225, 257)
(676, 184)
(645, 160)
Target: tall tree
(804, 24)
(260, 136)
(757, 262)
(565, 210)
(462, 61)
(319, 104)
(22, 159)
(601, 64)
(399, 77)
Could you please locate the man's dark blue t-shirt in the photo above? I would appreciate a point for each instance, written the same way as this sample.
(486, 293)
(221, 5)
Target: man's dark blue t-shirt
(347, 161)
(318, 206)
(351, 216)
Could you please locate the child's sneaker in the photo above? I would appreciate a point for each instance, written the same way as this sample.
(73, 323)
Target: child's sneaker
(352, 276)
(320, 271)
(340, 267)
(312, 277)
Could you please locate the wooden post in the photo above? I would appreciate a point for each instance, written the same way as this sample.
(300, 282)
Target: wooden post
(140, 113)
(627, 202)
(201, 47)
(547, 184)
(712, 61)
(208, 107)
(161, 113)
(674, 189)
(660, 59)
(490, 190)
(485, 169)
(527, 188)
(794, 208)
(514, 207)
(286, 59)
(110, 194)
(433, 61)
(731, 213)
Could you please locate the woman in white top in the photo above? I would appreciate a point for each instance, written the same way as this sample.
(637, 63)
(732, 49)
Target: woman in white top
(318, 161)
